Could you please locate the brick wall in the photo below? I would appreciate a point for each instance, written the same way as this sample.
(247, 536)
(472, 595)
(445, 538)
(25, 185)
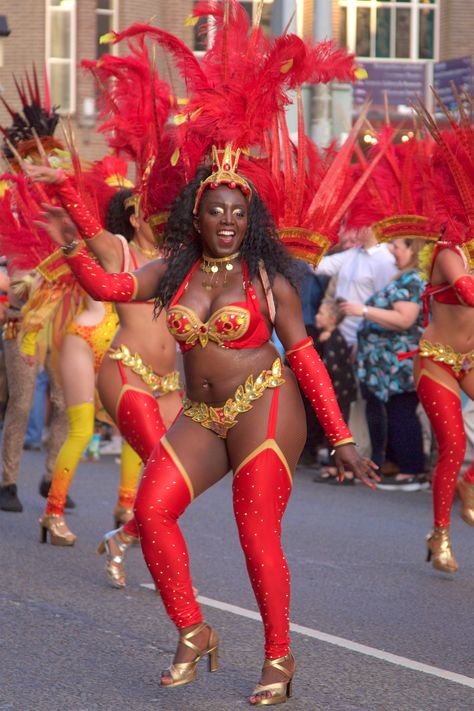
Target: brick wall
(456, 29)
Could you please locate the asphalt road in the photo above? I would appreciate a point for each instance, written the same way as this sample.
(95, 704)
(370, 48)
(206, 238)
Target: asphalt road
(68, 642)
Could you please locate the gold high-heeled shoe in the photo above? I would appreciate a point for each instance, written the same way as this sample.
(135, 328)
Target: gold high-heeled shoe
(280, 690)
(114, 561)
(440, 550)
(466, 494)
(59, 533)
(185, 672)
(122, 514)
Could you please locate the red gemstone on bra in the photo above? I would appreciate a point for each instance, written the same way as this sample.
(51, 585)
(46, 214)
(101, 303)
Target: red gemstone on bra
(228, 326)
(202, 329)
(176, 323)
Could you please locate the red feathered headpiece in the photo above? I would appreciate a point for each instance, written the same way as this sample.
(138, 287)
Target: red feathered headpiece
(242, 82)
(453, 175)
(397, 200)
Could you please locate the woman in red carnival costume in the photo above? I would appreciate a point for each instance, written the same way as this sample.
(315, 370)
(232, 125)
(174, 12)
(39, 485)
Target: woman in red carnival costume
(138, 383)
(225, 281)
(444, 365)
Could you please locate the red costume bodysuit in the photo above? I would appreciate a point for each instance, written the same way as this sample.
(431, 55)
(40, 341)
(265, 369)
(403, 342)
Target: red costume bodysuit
(442, 403)
(262, 481)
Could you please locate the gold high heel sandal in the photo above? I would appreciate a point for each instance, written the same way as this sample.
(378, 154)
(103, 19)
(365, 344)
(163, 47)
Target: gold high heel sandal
(185, 672)
(440, 550)
(59, 533)
(114, 561)
(122, 514)
(280, 690)
(466, 494)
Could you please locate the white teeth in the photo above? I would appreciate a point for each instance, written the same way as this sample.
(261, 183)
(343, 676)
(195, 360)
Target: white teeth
(226, 233)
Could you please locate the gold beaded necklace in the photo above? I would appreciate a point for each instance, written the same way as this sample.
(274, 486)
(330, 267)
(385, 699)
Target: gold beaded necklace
(150, 253)
(214, 265)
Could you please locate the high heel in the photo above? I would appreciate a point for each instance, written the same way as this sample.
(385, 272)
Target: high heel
(114, 561)
(440, 551)
(280, 690)
(59, 533)
(122, 514)
(466, 494)
(185, 672)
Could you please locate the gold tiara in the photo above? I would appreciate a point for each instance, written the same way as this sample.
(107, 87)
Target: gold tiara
(133, 201)
(224, 172)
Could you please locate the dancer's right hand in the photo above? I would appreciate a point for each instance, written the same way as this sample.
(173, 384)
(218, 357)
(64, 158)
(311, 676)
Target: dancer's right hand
(44, 173)
(57, 223)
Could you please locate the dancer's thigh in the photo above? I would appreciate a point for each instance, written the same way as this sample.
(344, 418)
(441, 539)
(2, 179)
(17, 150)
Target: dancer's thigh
(76, 365)
(252, 427)
(201, 453)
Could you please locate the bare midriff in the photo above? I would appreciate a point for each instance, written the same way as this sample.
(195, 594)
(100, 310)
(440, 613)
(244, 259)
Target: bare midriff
(147, 336)
(214, 373)
(451, 324)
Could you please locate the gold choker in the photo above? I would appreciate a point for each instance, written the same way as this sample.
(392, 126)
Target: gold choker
(214, 265)
(150, 253)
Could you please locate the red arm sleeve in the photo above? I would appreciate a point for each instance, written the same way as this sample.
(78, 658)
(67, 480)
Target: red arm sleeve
(316, 384)
(464, 288)
(98, 283)
(86, 223)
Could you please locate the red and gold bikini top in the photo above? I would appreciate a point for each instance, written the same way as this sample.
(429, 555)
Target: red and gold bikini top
(239, 325)
(444, 292)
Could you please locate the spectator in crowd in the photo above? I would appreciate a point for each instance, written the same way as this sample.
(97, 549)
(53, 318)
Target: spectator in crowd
(311, 292)
(357, 273)
(335, 353)
(360, 272)
(392, 325)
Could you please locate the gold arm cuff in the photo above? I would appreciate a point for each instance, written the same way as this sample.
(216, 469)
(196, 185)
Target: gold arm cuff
(308, 344)
(342, 442)
(135, 290)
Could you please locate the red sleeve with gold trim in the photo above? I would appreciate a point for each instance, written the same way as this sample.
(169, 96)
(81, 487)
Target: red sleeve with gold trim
(87, 224)
(314, 380)
(98, 283)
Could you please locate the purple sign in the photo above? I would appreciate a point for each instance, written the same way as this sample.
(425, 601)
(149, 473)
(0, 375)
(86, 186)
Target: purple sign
(457, 71)
(401, 81)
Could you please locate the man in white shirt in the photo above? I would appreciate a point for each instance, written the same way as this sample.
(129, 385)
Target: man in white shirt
(360, 272)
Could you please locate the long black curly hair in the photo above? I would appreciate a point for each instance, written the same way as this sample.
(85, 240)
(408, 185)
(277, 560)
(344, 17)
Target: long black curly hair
(118, 216)
(182, 246)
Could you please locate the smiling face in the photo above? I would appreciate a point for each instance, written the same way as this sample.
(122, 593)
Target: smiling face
(222, 221)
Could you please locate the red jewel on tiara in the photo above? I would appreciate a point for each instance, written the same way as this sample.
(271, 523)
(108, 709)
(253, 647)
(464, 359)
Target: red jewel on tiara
(232, 184)
(213, 186)
(226, 166)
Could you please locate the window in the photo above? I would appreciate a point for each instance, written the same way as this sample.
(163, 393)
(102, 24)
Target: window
(107, 20)
(61, 53)
(389, 29)
(251, 8)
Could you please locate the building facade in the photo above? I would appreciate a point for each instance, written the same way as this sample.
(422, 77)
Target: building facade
(57, 34)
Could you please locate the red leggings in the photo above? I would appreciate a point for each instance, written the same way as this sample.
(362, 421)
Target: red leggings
(140, 422)
(443, 407)
(261, 489)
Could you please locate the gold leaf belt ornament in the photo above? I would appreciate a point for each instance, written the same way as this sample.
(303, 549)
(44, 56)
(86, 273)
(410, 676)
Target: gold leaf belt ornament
(446, 354)
(221, 419)
(160, 384)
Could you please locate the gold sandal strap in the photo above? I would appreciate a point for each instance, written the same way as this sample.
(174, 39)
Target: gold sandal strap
(279, 687)
(185, 639)
(275, 664)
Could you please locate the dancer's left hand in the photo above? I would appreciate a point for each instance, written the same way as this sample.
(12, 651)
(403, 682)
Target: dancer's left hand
(347, 457)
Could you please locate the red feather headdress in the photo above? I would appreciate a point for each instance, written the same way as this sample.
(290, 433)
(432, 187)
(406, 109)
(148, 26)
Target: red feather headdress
(398, 197)
(453, 174)
(241, 84)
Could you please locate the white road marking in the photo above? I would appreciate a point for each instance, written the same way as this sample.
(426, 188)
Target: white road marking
(342, 642)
